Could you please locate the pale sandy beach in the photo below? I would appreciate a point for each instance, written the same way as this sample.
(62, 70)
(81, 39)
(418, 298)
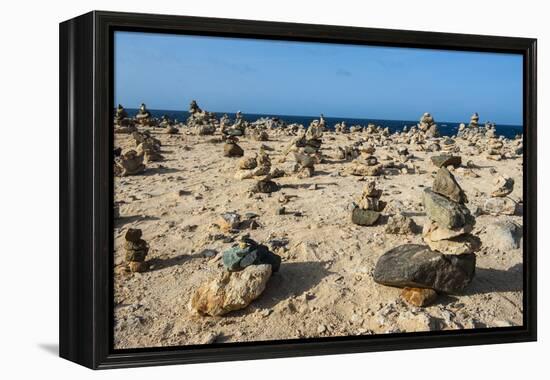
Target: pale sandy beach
(325, 285)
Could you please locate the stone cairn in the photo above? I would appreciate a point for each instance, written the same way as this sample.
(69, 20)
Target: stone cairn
(306, 148)
(247, 269)
(202, 122)
(341, 127)
(254, 166)
(366, 164)
(474, 120)
(447, 264)
(143, 116)
(428, 126)
(231, 148)
(494, 149)
(168, 124)
(123, 124)
(368, 207)
(129, 163)
(239, 126)
(148, 146)
(499, 203)
(449, 220)
(136, 250)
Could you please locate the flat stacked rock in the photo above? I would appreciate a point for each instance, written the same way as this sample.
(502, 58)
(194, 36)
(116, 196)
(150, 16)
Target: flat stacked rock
(499, 203)
(445, 160)
(248, 268)
(368, 207)
(123, 124)
(136, 250)
(449, 220)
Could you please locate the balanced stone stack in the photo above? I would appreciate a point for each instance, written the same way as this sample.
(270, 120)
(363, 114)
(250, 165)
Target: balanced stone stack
(143, 116)
(494, 149)
(368, 207)
(341, 127)
(449, 220)
(250, 167)
(474, 119)
(128, 163)
(136, 250)
(365, 165)
(150, 149)
(231, 148)
(123, 124)
(247, 269)
(204, 123)
(313, 139)
(447, 264)
(428, 126)
(499, 203)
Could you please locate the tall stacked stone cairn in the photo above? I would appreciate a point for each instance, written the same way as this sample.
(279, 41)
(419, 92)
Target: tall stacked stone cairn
(428, 126)
(495, 149)
(143, 116)
(368, 207)
(421, 270)
(341, 127)
(474, 121)
(148, 146)
(247, 269)
(306, 148)
(129, 163)
(202, 122)
(123, 124)
(136, 250)
(449, 220)
(499, 203)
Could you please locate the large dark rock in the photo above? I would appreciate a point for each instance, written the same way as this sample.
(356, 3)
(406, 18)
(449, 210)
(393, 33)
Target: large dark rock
(231, 149)
(445, 160)
(444, 212)
(416, 266)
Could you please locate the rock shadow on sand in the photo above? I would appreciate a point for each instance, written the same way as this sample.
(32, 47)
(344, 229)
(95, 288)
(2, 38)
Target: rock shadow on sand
(489, 280)
(292, 279)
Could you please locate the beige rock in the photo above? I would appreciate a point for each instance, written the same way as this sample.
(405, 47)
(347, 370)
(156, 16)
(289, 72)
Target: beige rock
(433, 232)
(455, 246)
(418, 296)
(230, 291)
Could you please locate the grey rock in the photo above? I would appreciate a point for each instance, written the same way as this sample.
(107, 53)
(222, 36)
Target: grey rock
(414, 265)
(364, 217)
(504, 235)
(445, 184)
(499, 206)
(444, 212)
(248, 253)
(446, 160)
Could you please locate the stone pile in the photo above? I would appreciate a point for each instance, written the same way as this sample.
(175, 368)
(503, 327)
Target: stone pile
(474, 119)
(449, 220)
(499, 203)
(231, 148)
(202, 122)
(247, 269)
(428, 126)
(123, 124)
(365, 165)
(143, 116)
(367, 209)
(494, 149)
(341, 127)
(136, 250)
(129, 163)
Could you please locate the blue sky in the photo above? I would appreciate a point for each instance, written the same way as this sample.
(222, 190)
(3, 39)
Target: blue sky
(298, 78)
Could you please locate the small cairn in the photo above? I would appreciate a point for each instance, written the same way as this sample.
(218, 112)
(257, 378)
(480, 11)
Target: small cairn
(265, 185)
(247, 269)
(494, 149)
(231, 148)
(136, 250)
(313, 139)
(474, 120)
(143, 116)
(499, 203)
(129, 163)
(203, 122)
(428, 126)
(365, 165)
(368, 207)
(123, 124)
(341, 127)
(255, 166)
(149, 147)
(449, 220)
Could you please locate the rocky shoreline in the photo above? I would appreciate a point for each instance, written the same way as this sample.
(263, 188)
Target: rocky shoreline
(229, 231)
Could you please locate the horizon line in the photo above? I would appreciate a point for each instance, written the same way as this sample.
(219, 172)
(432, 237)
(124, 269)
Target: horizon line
(316, 117)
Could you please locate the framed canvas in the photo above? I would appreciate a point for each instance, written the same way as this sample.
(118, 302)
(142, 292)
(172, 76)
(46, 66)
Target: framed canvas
(235, 189)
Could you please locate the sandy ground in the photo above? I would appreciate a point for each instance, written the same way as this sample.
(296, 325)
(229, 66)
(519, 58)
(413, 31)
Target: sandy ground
(324, 286)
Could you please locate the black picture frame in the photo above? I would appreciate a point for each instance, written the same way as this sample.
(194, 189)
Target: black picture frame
(86, 188)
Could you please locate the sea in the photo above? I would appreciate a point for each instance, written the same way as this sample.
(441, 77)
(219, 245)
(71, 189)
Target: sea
(445, 128)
